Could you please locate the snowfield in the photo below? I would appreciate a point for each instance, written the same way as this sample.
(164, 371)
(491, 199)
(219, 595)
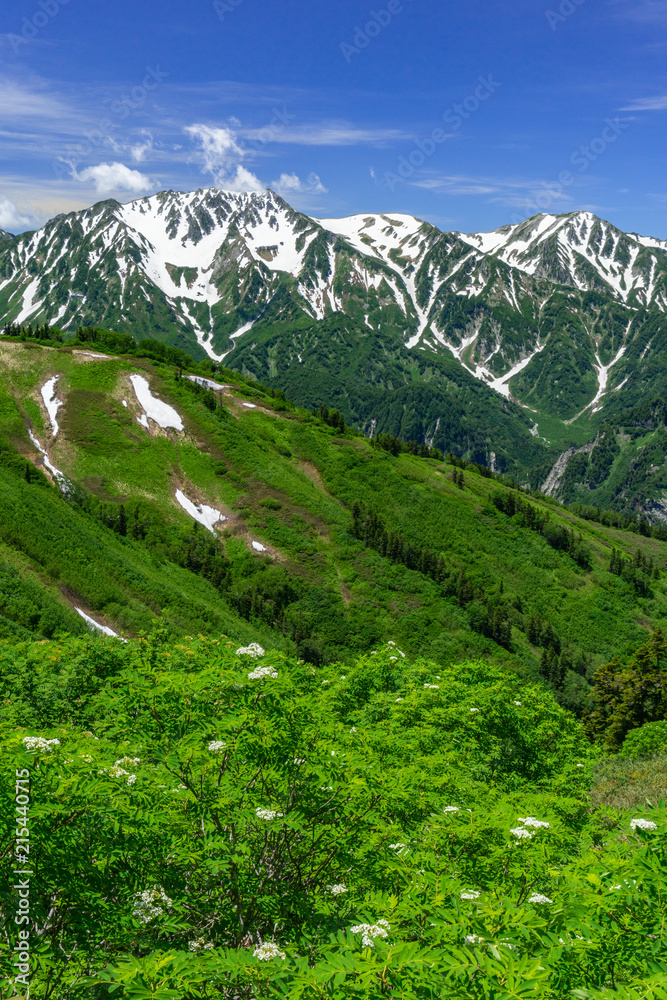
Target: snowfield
(208, 516)
(162, 413)
(258, 547)
(51, 402)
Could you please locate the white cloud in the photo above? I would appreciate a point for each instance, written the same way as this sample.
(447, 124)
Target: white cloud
(109, 178)
(13, 219)
(513, 192)
(221, 157)
(328, 134)
(289, 184)
(646, 104)
(140, 149)
(19, 101)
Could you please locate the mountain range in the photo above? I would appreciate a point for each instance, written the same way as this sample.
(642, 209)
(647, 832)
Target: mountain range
(523, 348)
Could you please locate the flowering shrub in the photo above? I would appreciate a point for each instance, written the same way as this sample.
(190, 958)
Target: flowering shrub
(257, 864)
(260, 672)
(254, 650)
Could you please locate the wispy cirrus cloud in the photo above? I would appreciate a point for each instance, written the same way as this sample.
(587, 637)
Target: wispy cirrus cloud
(331, 134)
(512, 192)
(658, 103)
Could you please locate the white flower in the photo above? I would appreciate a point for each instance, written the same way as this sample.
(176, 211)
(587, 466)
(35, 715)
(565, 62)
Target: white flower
(470, 895)
(217, 746)
(299, 760)
(115, 771)
(531, 821)
(268, 814)
(474, 710)
(267, 951)
(580, 765)
(400, 699)
(254, 650)
(537, 897)
(643, 824)
(200, 944)
(354, 729)
(86, 757)
(326, 682)
(39, 743)
(518, 703)
(337, 890)
(259, 672)
(451, 809)
(151, 903)
(432, 687)
(128, 761)
(343, 677)
(371, 931)
(393, 657)
(399, 848)
(131, 778)
(473, 939)
(391, 643)
(520, 833)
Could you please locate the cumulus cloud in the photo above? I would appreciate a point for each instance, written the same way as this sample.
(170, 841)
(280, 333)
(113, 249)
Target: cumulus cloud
(221, 157)
(289, 184)
(111, 178)
(13, 219)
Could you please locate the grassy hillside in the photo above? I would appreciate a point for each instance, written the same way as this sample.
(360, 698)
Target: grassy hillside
(352, 545)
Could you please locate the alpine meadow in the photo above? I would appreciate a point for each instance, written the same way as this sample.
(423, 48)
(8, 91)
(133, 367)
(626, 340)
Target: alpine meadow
(333, 501)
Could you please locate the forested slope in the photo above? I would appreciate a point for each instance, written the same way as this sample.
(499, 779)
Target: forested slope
(323, 542)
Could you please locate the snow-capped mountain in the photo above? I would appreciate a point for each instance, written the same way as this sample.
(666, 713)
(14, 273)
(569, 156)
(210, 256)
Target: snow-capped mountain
(585, 252)
(217, 272)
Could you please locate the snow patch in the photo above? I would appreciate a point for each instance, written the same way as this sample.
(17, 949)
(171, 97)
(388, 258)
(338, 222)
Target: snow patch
(89, 354)
(207, 383)
(258, 547)
(208, 516)
(51, 402)
(163, 414)
(96, 625)
(249, 406)
(62, 481)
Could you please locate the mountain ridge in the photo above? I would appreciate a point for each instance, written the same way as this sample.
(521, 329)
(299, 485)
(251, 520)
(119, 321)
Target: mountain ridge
(559, 319)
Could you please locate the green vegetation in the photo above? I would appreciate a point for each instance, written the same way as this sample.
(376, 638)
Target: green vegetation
(446, 558)
(210, 822)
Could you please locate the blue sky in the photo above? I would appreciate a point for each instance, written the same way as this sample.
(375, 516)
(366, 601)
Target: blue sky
(470, 115)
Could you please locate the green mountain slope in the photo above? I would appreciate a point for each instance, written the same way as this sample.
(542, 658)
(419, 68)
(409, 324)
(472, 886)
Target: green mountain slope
(325, 545)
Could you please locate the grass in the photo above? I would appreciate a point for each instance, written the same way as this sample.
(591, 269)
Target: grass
(630, 784)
